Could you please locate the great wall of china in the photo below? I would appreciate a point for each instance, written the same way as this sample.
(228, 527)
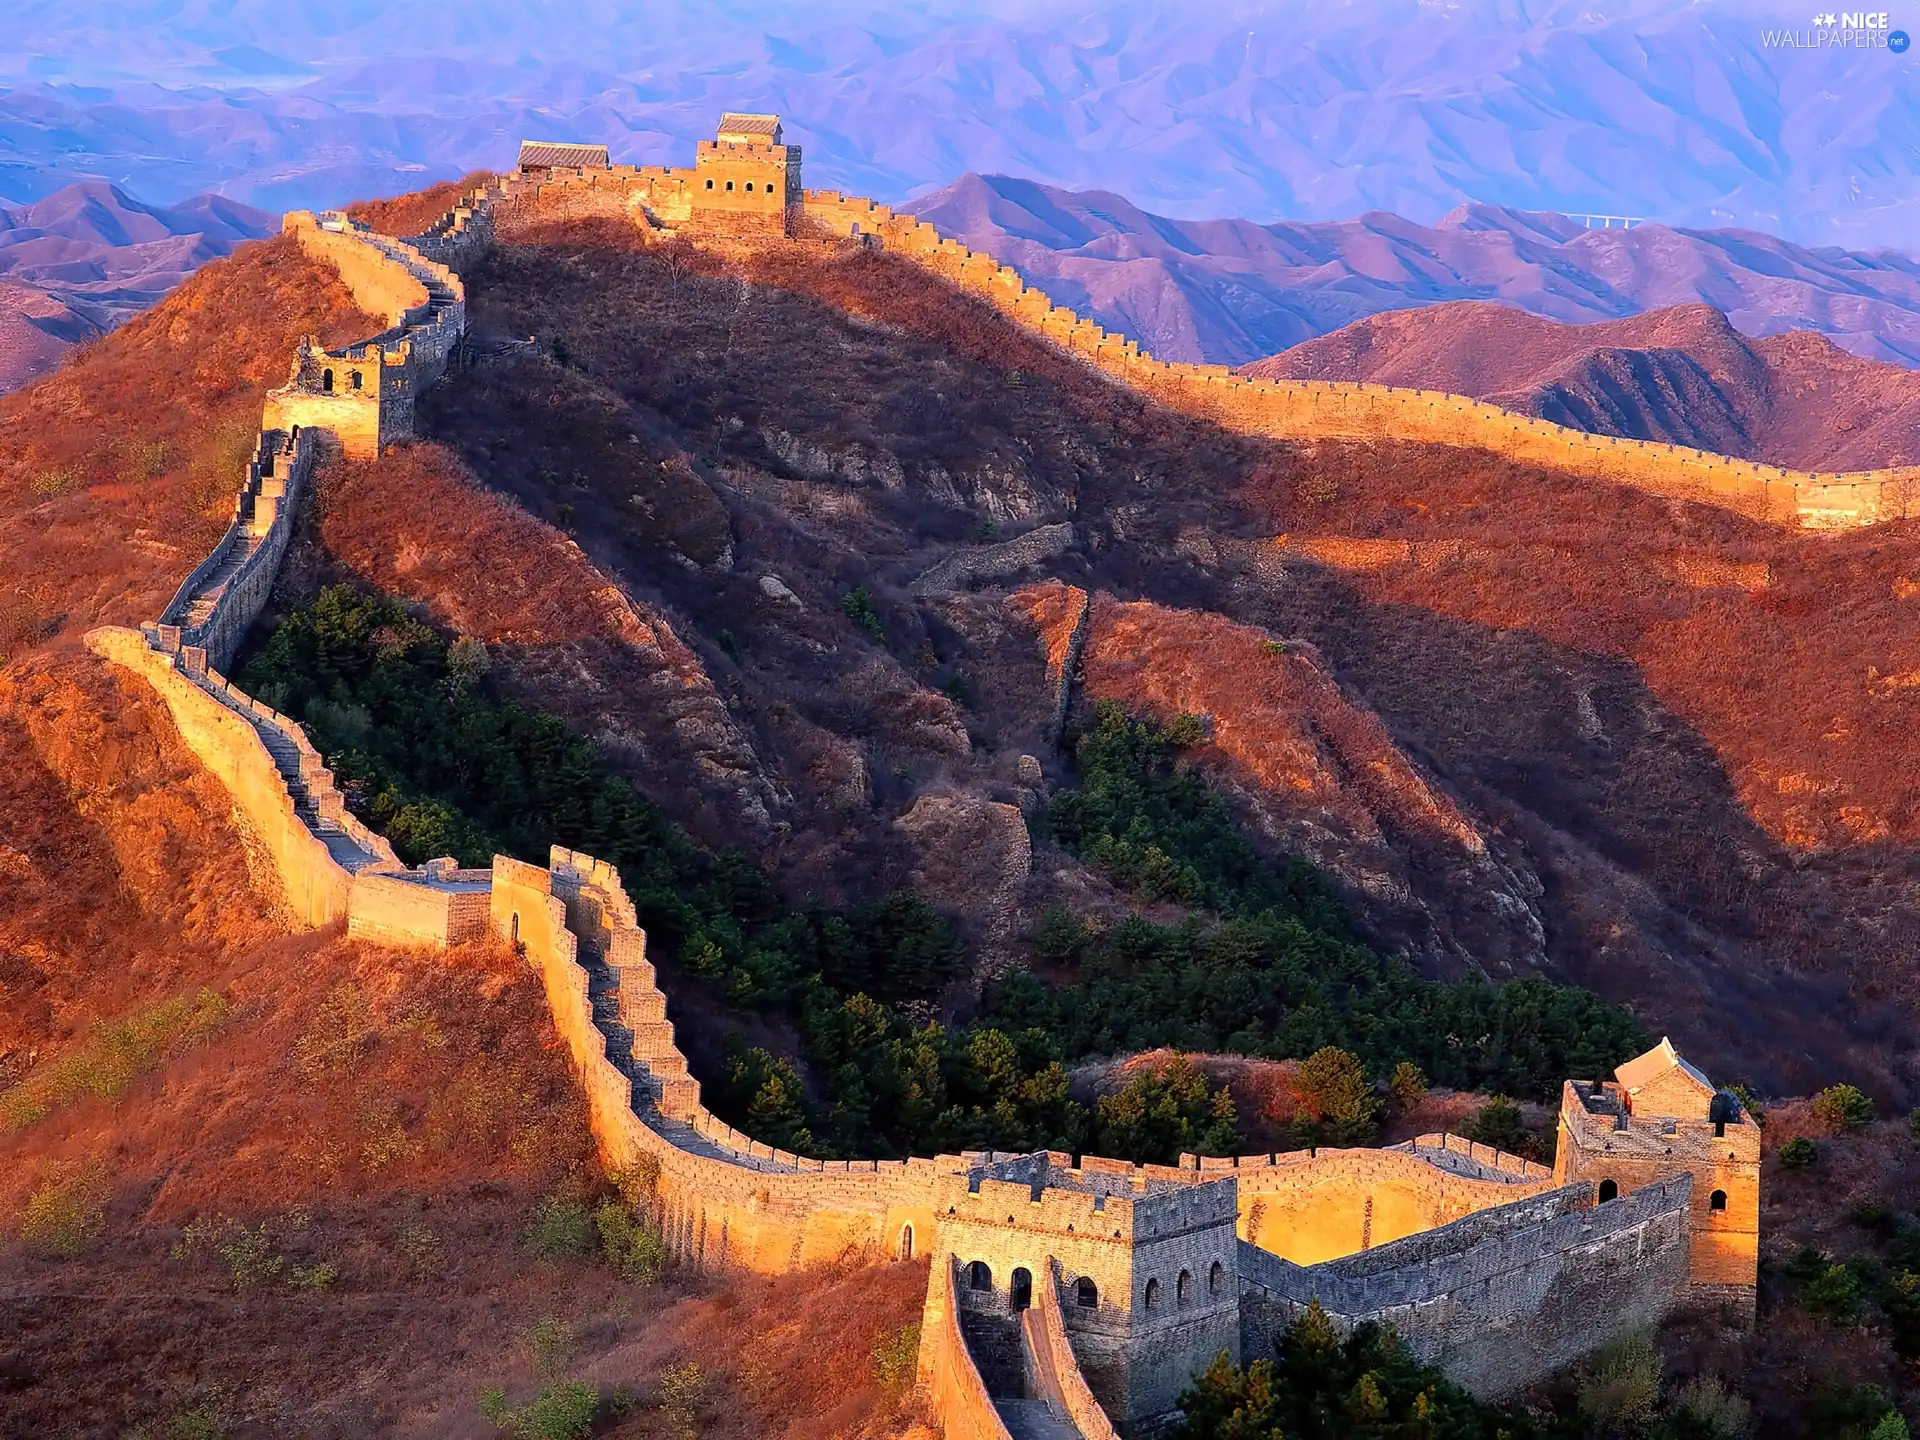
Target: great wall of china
(1066, 1297)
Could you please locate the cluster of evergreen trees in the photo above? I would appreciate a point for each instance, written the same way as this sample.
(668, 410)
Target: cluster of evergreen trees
(1265, 964)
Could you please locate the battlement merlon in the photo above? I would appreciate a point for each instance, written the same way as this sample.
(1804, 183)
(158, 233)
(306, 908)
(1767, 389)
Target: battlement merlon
(1062, 1202)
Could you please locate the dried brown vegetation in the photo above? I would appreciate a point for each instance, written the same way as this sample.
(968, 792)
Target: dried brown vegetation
(409, 214)
(118, 471)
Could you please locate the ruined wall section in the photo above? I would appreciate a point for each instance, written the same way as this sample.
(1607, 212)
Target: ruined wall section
(363, 395)
(1313, 409)
(1500, 1299)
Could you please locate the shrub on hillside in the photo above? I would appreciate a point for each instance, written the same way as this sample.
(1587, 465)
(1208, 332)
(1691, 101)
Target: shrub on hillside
(559, 1229)
(1500, 1124)
(1334, 1100)
(1620, 1386)
(1322, 1385)
(67, 1211)
(633, 1248)
(1166, 1112)
(1842, 1107)
(1799, 1153)
(563, 1410)
(1407, 1085)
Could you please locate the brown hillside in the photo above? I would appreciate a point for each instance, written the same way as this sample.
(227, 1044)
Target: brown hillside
(1627, 698)
(1682, 375)
(247, 1108)
(117, 471)
(409, 214)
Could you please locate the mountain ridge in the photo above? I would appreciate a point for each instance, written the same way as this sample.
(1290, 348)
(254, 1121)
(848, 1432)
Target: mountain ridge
(1234, 291)
(1682, 375)
(88, 257)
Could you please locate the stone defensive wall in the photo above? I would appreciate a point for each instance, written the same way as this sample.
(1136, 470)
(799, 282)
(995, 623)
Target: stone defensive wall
(1500, 1298)
(223, 729)
(1058, 1377)
(948, 1377)
(1308, 1206)
(1316, 409)
(1353, 1228)
(362, 395)
(217, 604)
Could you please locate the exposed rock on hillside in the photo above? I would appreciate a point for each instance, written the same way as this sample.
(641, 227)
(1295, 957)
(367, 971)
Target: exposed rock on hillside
(416, 524)
(1317, 774)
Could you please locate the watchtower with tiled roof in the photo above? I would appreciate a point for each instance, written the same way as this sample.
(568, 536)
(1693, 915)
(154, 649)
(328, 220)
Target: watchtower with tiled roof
(1660, 1117)
(746, 181)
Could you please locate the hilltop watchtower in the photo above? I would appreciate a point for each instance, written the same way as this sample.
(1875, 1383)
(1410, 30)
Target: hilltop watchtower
(1144, 1261)
(1660, 1117)
(746, 180)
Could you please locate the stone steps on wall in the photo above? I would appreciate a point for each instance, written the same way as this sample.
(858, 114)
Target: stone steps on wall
(1033, 1420)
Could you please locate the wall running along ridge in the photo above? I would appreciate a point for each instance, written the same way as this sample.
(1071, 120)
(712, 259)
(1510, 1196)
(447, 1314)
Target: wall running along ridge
(1501, 1298)
(1485, 1267)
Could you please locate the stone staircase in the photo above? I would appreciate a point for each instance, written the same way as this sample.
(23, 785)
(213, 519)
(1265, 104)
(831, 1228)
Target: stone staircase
(347, 852)
(1034, 1420)
(240, 548)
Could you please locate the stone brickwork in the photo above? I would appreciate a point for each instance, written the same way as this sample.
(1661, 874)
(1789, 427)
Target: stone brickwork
(1622, 1140)
(1101, 1287)
(362, 396)
(438, 905)
(1310, 1206)
(1501, 1298)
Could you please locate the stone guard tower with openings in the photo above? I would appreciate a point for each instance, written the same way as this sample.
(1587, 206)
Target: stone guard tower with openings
(1143, 1270)
(746, 180)
(1659, 1117)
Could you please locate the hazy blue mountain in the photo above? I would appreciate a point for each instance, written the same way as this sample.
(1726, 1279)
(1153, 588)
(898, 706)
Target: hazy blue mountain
(1672, 109)
(1231, 291)
(78, 262)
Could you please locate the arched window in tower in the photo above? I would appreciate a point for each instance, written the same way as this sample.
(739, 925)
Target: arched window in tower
(1717, 1200)
(1022, 1289)
(979, 1277)
(326, 382)
(1183, 1288)
(356, 379)
(906, 1242)
(1608, 1191)
(1216, 1278)
(1086, 1294)
(729, 185)
(709, 184)
(1153, 1294)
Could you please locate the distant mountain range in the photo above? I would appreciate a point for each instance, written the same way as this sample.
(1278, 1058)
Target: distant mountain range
(1683, 375)
(1678, 110)
(74, 265)
(1233, 291)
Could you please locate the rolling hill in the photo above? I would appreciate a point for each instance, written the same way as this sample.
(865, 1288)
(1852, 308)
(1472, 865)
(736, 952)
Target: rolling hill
(1235, 291)
(88, 257)
(1682, 375)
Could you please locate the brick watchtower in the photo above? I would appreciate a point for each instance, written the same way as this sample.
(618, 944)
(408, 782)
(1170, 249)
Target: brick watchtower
(746, 182)
(1659, 1117)
(1148, 1275)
